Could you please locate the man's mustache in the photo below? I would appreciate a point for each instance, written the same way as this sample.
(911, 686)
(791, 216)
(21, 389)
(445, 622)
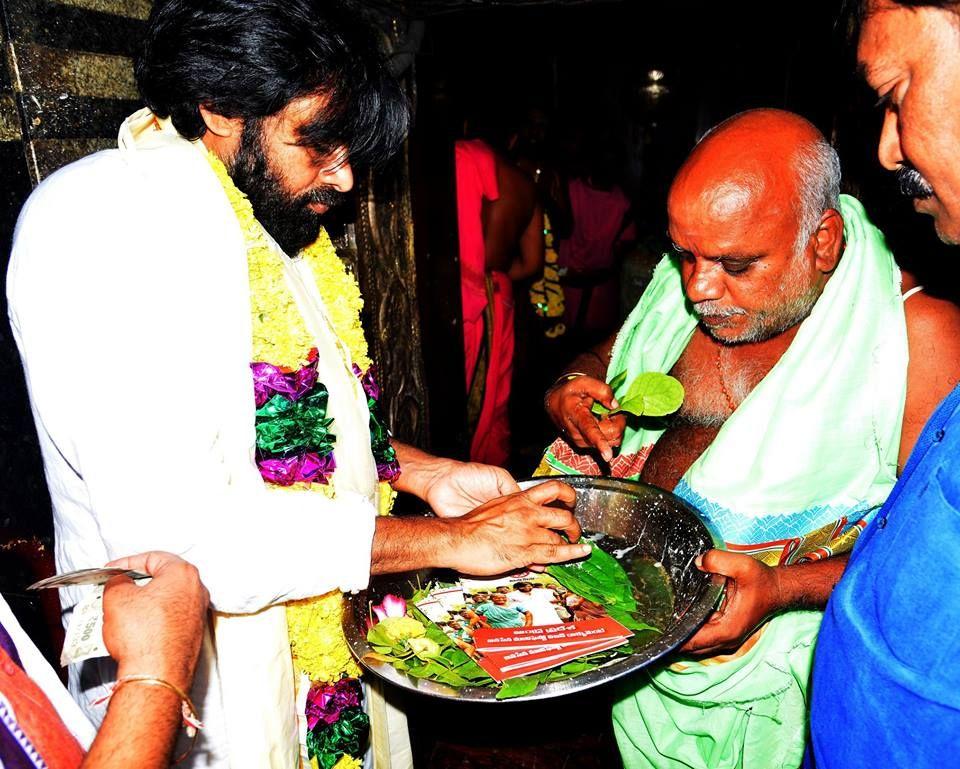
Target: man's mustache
(912, 184)
(713, 309)
(325, 196)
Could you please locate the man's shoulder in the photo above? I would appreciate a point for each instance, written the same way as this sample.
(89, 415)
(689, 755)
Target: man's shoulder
(933, 337)
(77, 184)
(930, 316)
(106, 179)
(73, 211)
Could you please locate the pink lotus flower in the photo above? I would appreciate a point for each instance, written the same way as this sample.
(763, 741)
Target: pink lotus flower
(392, 606)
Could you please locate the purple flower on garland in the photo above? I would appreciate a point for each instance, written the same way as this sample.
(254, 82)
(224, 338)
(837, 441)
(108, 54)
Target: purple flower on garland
(305, 468)
(388, 468)
(268, 380)
(326, 701)
(388, 471)
(368, 381)
(289, 449)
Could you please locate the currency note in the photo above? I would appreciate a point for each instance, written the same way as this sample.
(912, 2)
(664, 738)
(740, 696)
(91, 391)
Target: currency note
(84, 638)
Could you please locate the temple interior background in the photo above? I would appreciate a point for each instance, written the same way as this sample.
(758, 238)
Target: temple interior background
(643, 79)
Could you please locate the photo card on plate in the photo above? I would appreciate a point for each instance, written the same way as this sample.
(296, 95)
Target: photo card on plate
(519, 599)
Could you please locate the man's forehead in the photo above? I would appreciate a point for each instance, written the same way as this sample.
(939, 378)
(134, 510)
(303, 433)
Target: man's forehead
(878, 46)
(298, 113)
(714, 203)
(747, 230)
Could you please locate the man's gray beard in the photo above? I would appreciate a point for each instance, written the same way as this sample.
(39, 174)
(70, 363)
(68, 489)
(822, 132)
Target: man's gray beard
(766, 324)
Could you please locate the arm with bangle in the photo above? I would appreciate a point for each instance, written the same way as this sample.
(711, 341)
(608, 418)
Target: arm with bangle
(569, 399)
(154, 632)
(140, 728)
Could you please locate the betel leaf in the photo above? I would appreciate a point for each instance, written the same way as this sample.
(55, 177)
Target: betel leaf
(601, 579)
(629, 620)
(518, 687)
(617, 382)
(651, 394)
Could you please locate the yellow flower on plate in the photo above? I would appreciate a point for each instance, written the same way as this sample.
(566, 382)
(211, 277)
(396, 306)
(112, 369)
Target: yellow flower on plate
(401, 628)
(424, 648)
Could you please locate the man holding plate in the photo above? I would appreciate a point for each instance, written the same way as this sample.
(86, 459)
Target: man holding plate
(782, 313)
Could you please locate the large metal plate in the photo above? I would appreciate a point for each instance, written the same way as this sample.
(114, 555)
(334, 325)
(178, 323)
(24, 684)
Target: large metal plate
(663, 527)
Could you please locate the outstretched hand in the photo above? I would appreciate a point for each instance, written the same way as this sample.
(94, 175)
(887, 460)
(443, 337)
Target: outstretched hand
(568, 405)
(517, 531)
(155, 629)
(752, 593)
(465, 486)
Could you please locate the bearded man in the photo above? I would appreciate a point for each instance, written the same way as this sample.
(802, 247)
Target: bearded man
(781, 313)
(198, 390)
(886, 679)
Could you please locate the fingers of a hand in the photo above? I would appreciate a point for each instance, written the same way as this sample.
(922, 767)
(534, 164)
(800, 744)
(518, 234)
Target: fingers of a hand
(594, 389)
(542, 554)
(149, 563)
(116, 591)
(551, 491)
(558, 520)
(712, 633)
(591, 433)
(728, 564)
(612, 429)
(506, 483)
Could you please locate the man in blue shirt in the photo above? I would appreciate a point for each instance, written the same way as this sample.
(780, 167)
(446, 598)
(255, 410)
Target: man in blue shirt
(886, 680)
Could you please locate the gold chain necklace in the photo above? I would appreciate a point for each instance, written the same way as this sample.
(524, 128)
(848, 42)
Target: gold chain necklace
(723, 386)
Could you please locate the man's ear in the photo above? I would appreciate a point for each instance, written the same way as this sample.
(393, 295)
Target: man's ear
(828, 241)
(224, 128)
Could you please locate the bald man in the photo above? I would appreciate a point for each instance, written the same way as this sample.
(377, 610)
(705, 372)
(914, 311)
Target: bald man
(781, 313)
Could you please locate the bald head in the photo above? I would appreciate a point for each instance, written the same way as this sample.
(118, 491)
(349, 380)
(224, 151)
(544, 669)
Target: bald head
(753, 218)
(762, 162)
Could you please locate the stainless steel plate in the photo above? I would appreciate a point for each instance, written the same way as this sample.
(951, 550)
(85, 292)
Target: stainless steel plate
(665, 530)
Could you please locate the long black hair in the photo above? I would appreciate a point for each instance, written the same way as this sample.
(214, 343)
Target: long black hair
(250, 58)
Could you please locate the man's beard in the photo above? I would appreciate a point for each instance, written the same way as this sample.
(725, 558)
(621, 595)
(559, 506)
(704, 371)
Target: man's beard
(912, 184)
(793, 307)
(287, 218)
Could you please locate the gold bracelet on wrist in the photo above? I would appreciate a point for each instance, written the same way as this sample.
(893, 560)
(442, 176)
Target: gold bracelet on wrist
(188, 712)
(567, 377)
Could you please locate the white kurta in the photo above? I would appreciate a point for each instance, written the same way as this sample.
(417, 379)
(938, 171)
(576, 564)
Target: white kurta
(129, 300)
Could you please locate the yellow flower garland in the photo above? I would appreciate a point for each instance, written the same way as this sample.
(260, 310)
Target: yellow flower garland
(281, 337)
(346, 762)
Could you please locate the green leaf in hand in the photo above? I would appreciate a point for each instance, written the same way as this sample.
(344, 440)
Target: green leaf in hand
(617, 382)
(651, 394)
